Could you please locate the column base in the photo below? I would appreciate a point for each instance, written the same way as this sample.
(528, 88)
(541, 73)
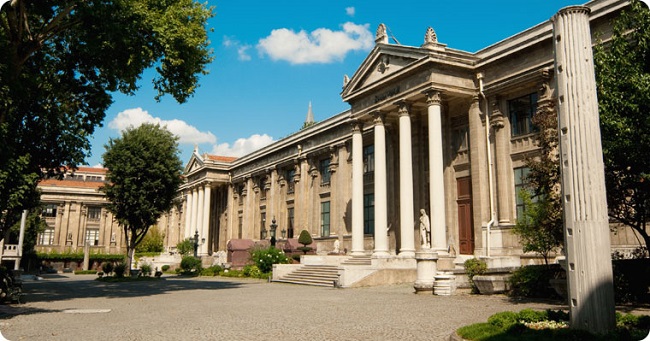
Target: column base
(381, 254)
(406, 254)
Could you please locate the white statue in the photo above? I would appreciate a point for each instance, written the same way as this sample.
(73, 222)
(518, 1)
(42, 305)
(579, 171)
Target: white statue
(337, 245)
(425, 229)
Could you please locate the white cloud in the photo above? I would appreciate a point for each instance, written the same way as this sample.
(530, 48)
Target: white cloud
(350, 11)
(242, 146)
(135, 117)
(320, 46)
(242, 49)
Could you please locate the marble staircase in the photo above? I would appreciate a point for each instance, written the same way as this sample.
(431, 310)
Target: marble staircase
(318, 275)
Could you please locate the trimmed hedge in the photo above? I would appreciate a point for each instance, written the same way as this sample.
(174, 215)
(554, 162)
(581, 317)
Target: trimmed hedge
(79, 257)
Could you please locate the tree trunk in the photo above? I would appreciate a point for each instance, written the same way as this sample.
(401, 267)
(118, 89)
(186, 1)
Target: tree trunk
(129, 259)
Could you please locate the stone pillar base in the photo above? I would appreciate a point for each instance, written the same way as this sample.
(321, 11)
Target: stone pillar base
(426, 271)
(445, 284)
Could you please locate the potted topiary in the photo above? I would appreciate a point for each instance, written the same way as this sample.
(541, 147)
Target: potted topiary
(305, 239)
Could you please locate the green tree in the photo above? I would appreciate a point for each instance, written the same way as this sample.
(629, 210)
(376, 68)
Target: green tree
(185, 247)
(144, 172)
(623, 81)
(541, 229)
(60, 63)
(153, 241)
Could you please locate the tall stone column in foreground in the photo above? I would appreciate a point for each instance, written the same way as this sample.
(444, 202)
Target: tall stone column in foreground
(586, 227)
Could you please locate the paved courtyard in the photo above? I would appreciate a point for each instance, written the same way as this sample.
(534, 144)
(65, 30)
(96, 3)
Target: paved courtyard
(76, 307)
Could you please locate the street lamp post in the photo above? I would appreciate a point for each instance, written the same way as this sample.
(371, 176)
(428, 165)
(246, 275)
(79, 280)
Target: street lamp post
(196, 243)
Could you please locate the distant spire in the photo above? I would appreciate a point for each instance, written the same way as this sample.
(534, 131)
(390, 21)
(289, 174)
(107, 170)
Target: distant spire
(310, 116)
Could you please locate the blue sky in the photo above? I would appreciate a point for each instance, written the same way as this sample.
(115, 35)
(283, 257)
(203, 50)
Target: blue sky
(272, 58)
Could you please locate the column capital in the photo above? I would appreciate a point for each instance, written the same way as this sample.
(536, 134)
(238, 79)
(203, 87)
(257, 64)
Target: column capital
(434, 97)
(379, 117)
(496, 118)
(357, 126)
(404, 108)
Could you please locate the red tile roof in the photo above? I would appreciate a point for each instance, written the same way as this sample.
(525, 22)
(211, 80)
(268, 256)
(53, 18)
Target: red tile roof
(218, 158)
(71, 183)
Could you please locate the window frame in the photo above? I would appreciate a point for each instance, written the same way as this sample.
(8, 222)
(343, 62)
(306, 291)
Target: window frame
(520, 112)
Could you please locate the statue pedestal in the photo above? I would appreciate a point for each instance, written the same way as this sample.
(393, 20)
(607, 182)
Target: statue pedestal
(426, 271)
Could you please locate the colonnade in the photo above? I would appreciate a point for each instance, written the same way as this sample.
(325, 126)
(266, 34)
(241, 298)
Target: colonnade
(406, 195)
(197, 217)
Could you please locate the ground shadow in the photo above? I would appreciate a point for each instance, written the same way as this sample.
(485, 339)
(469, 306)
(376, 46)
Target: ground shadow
(58, 289)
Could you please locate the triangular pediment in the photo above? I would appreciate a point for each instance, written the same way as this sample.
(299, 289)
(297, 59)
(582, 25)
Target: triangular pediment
(383, 62)
(194, 164)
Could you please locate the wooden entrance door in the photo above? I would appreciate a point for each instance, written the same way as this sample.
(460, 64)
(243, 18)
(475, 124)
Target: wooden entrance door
(465, 220)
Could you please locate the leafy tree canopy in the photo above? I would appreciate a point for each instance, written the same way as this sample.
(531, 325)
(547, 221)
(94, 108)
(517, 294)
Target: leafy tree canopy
(144, 172)
(59, 63)
(623, 80)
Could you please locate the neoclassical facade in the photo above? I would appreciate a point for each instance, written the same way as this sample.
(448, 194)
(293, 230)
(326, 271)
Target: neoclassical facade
(432, 132)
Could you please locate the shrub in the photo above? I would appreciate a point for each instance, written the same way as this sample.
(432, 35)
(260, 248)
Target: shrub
(185, 247)
(503, 320)
(191, 264)
(473, 267)
(119, 270)
(211, 271)
(165, 267)
(107, 267)
(264, 258)
(253, 271)
(305, 238)
(533, 281)
(146, 269)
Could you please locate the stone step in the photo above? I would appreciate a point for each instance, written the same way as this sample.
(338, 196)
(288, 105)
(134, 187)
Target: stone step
(319, 275)
(357, 260)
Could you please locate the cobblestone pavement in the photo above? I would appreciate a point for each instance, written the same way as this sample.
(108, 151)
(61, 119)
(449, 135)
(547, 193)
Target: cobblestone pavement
(76, 307)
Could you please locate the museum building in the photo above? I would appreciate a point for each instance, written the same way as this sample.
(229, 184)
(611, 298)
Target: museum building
(433, 133)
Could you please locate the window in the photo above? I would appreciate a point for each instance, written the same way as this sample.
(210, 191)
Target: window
(240, 226)
(289, 176)
(290, 216)
(369, 213)
(92, 237)
(262, 186)
(520, 183)
(94, 213)
(75, 177)
(46, 237)
(460, 142)
(49, 211)
(95, 178)
(369, 163)
(262, 225)
(325, 218)
(324, 170)
(521, 112)
(240, 192)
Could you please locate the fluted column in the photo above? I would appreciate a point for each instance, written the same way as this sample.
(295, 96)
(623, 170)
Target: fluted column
(205, 227)
(589, 270)
(436, 176)
(195, 198)
(407, 247)
(188, 213)
(381, 192)
(357, 190)
(199, 212)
